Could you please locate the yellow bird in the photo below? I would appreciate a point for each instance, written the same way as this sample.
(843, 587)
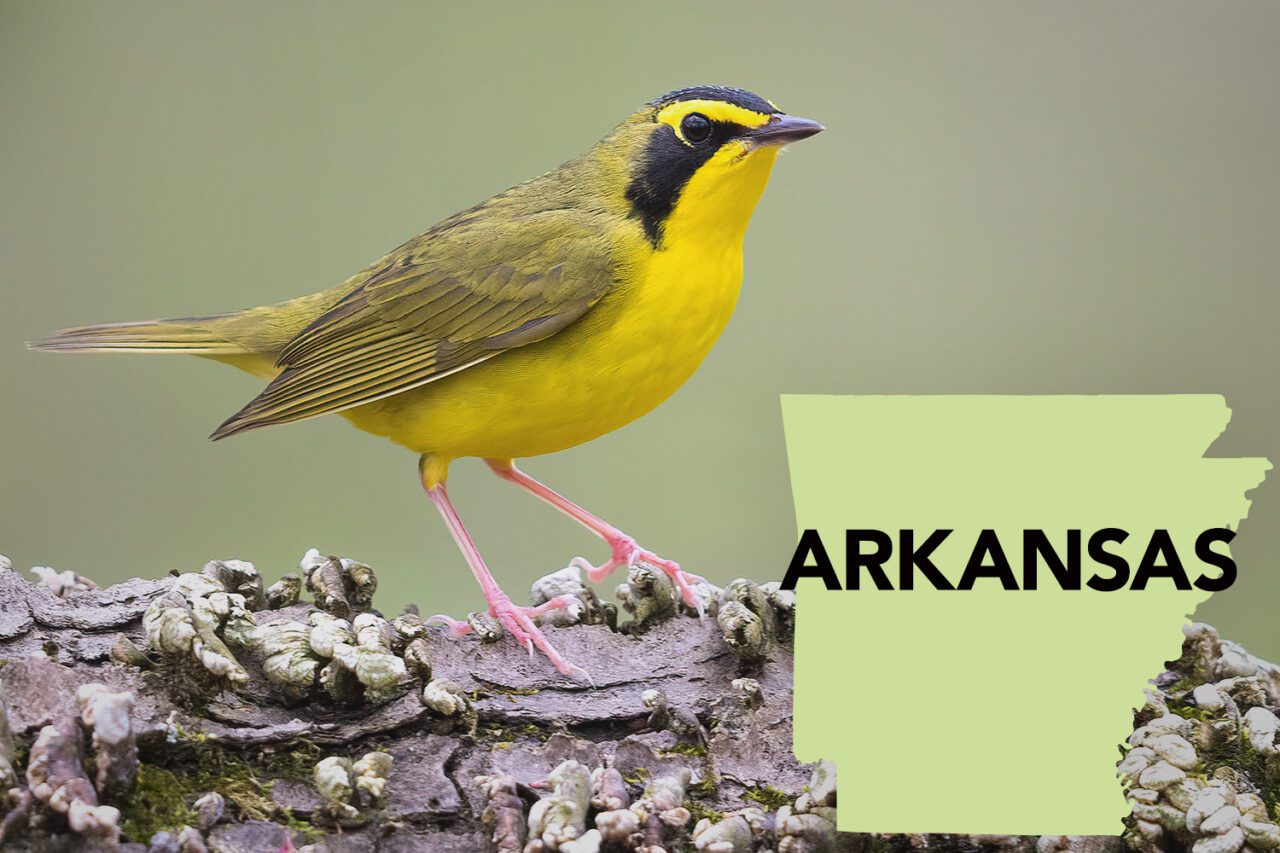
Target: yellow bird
(550, 314)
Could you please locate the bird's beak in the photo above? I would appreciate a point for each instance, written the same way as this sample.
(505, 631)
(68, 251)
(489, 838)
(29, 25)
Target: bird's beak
(782, 130)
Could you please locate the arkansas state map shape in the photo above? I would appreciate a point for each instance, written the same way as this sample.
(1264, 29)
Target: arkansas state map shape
(991, 711)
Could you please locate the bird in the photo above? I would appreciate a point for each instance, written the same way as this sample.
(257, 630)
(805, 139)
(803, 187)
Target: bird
(552, 313)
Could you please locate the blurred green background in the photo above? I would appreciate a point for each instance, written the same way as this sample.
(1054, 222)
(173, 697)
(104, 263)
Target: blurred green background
(1024, 198)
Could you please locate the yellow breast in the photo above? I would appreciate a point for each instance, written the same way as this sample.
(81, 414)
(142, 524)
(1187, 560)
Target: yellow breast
(630, 352)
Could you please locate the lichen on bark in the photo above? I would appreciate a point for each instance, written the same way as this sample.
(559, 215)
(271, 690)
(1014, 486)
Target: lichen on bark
(683, 742)
(200, 726)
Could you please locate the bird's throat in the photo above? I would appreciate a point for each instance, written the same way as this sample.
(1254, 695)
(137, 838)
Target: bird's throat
(715, 207)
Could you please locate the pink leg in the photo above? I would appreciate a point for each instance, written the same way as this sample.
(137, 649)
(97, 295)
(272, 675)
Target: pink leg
(625, 551)
(460, 628)
(516, 620)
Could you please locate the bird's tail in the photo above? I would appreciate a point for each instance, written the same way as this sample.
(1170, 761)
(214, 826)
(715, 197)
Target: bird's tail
(190, 335)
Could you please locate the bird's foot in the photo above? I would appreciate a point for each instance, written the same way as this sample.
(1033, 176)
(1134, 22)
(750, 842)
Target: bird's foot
(461, 627)
(626, 553)
(518, 622)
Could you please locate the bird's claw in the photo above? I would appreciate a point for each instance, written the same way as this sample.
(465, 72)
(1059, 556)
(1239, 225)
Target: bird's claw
(627, 553)
(518, 622)
(457, 627)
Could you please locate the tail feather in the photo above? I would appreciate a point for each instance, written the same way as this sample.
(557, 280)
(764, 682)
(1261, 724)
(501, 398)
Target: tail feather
(191, 335)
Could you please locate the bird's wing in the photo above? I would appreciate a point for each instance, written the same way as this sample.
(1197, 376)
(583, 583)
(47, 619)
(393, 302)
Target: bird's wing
(458, 295)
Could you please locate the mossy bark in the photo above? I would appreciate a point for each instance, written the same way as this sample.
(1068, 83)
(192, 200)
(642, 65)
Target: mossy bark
(257, 746)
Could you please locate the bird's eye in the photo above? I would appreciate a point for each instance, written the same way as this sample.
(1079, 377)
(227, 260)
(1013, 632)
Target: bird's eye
(696, 127)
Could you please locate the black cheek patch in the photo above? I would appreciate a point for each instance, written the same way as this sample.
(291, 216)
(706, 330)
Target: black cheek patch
(665, 168)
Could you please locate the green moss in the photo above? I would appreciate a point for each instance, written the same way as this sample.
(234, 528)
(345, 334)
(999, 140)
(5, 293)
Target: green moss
(492, 688)
(309, 833)
(767, 796)
(294, 760)
(1261, 769)
(691, 750)
(1189, 712)
(189, 736)
(21, 752)
(159, 801)
(498, 733)
(168, 785)
(701, 811)
(704, 788)
(637, 777)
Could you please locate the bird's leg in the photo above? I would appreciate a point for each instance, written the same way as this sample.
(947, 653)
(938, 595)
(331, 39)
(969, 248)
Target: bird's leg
(518, 621)
(625, 551)
(460, 628)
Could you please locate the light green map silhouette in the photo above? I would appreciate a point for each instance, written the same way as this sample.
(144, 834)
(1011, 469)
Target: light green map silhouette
(993, 711)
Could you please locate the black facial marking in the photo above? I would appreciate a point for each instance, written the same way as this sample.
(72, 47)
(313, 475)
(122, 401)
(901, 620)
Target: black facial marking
(665, 167)
(737, 97)
(668, 163)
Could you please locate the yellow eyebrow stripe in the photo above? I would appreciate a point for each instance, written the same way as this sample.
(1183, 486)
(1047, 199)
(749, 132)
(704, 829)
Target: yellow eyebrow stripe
(718, 111)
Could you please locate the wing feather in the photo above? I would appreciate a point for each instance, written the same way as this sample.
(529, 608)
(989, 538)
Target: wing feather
(443, 302)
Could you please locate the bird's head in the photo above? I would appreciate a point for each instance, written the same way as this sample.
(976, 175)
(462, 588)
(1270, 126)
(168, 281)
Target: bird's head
(699, 158)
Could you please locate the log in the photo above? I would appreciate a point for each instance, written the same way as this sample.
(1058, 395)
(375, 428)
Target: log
(683, 742)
